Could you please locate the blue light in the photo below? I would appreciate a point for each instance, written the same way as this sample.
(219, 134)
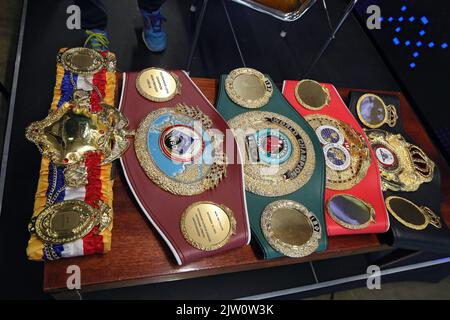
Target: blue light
(444, 45)
(396, 41)
(398, 29)
(391, 19)
(381, 19)
(415, 54)
(424, 20)
(411, 19)
(422, 32)
(401, 19)
(407, 43)
(412, 65)
(404, 8)
(419, 43)
(431, 44)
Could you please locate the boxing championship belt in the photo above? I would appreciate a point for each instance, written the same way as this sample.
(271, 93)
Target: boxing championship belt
(410, 179)
(283, 165)
(73, 203)
(353, 196)
(177, 169)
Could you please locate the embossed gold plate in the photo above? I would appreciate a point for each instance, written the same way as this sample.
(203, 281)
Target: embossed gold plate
(279, 157)
(70, 220)
(350, 211)
(207, 226)
(403, 166)
(178, 150)
(411, 215)
(158, 85)
(373, 113)
(86, 61)
(311, 94)
(290, 228)
(248, 88)
(68, 133)
(346, 154)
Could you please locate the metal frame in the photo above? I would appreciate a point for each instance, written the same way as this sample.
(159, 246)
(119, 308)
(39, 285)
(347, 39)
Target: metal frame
(327, 284)
(12, 103)
(261, 8)
(286, 17)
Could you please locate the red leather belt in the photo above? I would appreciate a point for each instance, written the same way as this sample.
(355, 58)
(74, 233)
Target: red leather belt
(163, 207)
(361, 181)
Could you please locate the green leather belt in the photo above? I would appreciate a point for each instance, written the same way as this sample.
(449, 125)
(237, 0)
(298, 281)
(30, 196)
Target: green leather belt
(307, 199)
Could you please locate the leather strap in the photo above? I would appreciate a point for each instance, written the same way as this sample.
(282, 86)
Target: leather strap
(369, 188)
(163, 208)
(310, 195)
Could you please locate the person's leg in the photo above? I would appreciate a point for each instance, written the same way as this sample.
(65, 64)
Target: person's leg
(94, 20)
(93, 14)
(150, 5)
(153, 34)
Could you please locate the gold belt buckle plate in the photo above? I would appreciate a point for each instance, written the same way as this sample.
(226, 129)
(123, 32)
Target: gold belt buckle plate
(347, 155)
(86, 61)
(373, 112)
(158, 85)
(248, 88)
(290, 228)
(180, 151)
(403, 166)
(411, 215)
(279, 156)
(68, 133)
(70, 220)
(207, 226)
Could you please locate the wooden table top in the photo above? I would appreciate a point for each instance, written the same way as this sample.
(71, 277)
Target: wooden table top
(139, 256)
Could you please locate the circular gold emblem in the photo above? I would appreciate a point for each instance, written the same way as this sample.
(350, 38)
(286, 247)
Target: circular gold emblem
(67, 134)
(248, 88)
(311, 94)
(157, 84)
(347, 159)
(373, 113)
(177, 148)
(86, 61)
(403, 166)
(290, 228)
(350, 211)
(207, 226)
(278, 155)
(411, 215)
(70, 220)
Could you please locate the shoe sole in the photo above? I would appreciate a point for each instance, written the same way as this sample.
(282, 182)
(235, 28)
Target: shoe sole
(148, 47)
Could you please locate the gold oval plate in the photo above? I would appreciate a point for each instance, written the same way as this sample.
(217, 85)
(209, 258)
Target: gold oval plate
(158, 85)
(207, 226)
(279, 156)
(373, 112)
(86, 61)
(411, 215)
(290, 228)
(311, 94)
(347, 156)
(70, 220)
(248, 88)
(350, 211)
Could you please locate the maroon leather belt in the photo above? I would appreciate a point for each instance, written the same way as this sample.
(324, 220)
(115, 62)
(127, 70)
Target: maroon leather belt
(166, 209)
